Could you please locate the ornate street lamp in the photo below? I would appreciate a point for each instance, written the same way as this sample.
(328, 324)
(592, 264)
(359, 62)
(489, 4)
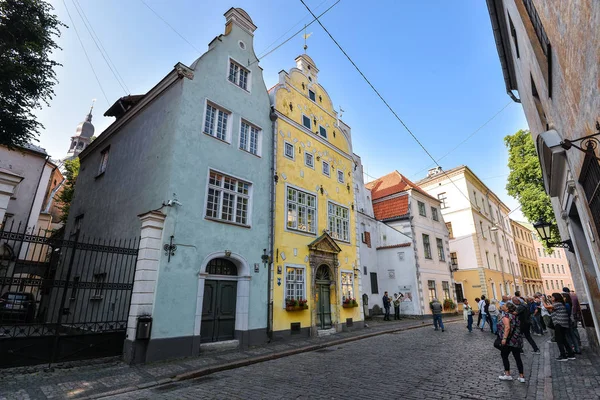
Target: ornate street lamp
(544, 230)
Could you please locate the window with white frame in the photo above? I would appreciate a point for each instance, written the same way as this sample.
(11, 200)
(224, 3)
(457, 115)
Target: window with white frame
(434, 214)
(422, 210)
(215, 122)
(306, 122)
(309, 159)
(311, 95)
(238, 75)
(249, 138)
(301, 211)
(347, 286)
(426, 246)
(446, 289)
(326, 170)
(288, 150)
(103, 161)
(340, 176)
(322, 132)
(228, 199)
(440, 249)
(294, 283)
(339, 221)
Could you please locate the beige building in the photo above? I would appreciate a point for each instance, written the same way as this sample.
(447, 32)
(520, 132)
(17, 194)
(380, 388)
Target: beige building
(555, 269)
(549, 52)
(482, 251)
(528, 263)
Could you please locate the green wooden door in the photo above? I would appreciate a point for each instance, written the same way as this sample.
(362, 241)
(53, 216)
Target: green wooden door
(218, 311)
(323, 306)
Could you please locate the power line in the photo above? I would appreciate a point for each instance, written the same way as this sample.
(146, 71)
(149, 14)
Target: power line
(385, 101)
(98, 44)
(296, 33)
(467, 138)
(170, 26)
(85, 52)
(288, 31)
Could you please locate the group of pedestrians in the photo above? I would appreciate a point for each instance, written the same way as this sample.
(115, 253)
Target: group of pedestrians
(515, 319)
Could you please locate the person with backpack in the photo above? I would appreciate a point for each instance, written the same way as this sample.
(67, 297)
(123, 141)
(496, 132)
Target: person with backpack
(436, 310)
(525, 325)
(510, 341)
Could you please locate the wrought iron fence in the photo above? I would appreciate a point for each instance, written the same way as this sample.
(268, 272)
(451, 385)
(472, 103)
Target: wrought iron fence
(62, 299)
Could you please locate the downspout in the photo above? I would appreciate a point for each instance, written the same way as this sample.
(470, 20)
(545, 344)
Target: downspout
(273, 118)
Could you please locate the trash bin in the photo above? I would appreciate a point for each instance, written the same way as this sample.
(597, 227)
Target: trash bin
(144, 326)
(586, 315)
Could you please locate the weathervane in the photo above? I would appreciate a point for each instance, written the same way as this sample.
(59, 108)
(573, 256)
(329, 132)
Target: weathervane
(306, 36)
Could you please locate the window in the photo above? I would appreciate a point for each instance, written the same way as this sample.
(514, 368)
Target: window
(442, 198)
(434, 214)
(481, 227)
(215, 123)
(301, 211)
(98, 285)
(487, 258)
(309, 159)
(496, 261)
(553, 270)
(78, 221)
(454, 259)
(422, 210)
(347, 286)
(426, 246)
(446, 289)
(543, 270)
(542, 38)
(228, 199)
(294, 283)
(475, 196)
(440, 249)
(558, 253)
(547, 287)
(288, 150)
(374, 286)
(340, 176)
(238, 75)
(450, 232)
(103, 161)
(306, 122)
(249, 138)
(513, 33)
(326, 170)
(563, 268)
(458, 289)
(322, 132)
(552, 283)
(539, 252)
(366, 238)
(311, 95)
(432, 291)
(339, 222)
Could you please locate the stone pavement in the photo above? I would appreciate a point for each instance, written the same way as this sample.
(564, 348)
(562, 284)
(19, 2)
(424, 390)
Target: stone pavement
(96, 378)
(408, 364)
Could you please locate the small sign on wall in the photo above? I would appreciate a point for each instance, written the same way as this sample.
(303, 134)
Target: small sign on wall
(256, 267)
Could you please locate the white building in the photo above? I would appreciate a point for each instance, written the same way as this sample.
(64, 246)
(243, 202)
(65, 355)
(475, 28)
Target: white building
(481, 242)
(401, 250)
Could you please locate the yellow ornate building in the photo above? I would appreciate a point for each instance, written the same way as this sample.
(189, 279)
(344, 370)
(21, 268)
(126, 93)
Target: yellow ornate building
(528, 263)
(316, 273)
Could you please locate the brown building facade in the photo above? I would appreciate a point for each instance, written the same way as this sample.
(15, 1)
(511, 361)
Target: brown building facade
(549, 52)
(528, 263)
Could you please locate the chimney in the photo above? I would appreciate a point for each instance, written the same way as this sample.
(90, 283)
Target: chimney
(239, 17)
(434, 171)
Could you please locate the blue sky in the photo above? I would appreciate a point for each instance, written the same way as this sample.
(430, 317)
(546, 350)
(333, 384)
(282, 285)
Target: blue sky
(434, 61)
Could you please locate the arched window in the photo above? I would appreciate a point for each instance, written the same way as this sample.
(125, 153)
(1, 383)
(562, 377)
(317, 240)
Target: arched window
(73, 144)
(221, 266)
(323, 273)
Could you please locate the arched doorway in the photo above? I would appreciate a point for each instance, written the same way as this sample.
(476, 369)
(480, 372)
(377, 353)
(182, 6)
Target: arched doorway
(219, 301)
(322, 286)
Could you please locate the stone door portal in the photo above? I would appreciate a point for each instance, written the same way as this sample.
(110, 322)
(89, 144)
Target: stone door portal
(323, 281)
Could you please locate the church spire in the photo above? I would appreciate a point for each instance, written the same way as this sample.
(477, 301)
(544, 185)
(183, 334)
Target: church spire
(89, 116)
(83, 135)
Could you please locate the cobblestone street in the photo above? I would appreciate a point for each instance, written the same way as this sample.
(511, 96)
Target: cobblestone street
(417, 364)
(410, 364)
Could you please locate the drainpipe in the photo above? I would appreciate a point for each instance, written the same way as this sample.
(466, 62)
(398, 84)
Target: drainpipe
(273, 118)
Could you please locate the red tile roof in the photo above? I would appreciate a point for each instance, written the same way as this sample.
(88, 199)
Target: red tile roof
(391, 208)
(393, 183)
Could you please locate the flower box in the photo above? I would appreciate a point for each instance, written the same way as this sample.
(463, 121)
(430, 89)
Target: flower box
(349, 305)
(296, 308)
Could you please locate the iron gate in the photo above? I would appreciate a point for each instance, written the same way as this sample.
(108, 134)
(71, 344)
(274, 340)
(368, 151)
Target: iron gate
(62, 299)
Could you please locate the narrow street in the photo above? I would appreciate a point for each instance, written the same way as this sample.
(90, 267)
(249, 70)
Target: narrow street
(416, 364)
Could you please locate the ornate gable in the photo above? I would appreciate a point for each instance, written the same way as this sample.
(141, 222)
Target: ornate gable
(325, 244)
